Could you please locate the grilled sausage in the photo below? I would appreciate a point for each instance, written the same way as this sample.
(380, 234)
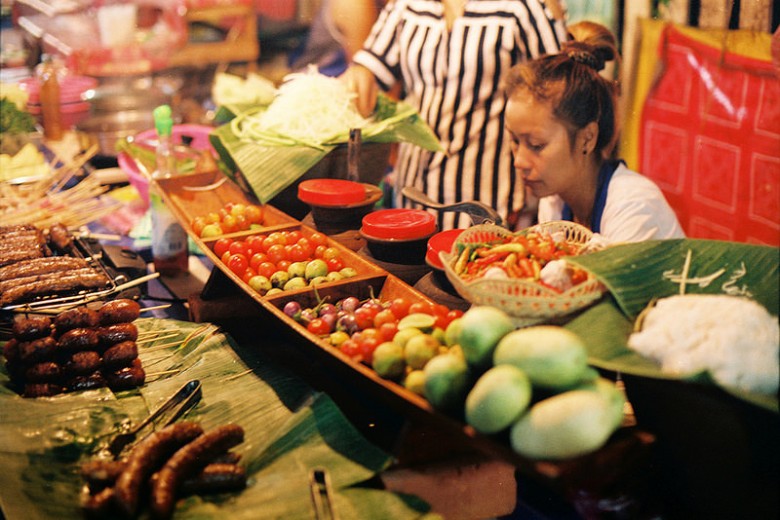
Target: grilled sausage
(77, 318)
(26, 328)
(43, 265)
(36, 350)
(100, 505)
(44, 372)
(41, 389)
(120, 355)
(11, 350)
(54, 284)
(145, 458)
(60, 238)
(215, 478)
(116, 333)
(189, 460)
(127, 377)
(82, 364)
(76, 340)
(87, 382)
(122, 310)
(14, 256)
(99, 474)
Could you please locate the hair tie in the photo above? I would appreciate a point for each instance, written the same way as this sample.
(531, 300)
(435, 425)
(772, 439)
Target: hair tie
(586, 58)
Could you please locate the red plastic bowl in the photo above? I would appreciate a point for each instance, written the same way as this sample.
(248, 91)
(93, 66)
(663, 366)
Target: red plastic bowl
(441, 241)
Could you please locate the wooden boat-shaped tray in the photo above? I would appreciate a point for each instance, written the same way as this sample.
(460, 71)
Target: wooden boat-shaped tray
(371, 280)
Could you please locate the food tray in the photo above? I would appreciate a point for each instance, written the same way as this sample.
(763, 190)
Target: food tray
(526, 301)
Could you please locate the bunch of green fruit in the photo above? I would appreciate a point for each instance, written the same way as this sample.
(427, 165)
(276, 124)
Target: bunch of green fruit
(533, 382)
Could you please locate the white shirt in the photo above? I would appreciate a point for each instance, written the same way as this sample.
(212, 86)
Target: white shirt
(635, 210)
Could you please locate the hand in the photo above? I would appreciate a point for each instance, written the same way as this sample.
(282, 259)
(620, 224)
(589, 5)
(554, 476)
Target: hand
(362, 82)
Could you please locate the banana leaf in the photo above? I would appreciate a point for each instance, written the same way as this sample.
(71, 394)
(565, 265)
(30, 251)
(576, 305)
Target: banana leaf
(637, 274)
(274, 162)
(290, 429)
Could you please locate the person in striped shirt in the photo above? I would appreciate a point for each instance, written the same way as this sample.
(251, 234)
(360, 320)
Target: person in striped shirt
(450, 57)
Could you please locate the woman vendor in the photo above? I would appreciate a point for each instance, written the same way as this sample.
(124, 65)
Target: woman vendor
(561, 115)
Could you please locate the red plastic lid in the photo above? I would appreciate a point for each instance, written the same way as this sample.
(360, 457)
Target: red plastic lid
(441, 241)
(398, 224)
(331, 192)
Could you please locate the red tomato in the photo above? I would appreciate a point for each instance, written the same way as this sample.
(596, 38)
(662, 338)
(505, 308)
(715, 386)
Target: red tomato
(255, 242)
(276, 253)
(294, 236)
(238, 263)
(213, 218)
(225, 256)
(388, 330)
(249, 273)
(296, 253)
(306, 246)
(423, 307)
(318, 326)
(269, 242)
(280, 237)
(239, 246)
(330, 252)
(400, 307)
(318, 250)
(283, 265)
(223, 213)
(254, 214)
(242, 224)
(384, 316)
(197, 224)
(257, 259)
(222, 245)
(318, 239)
(335, 264)
(350, 348)
(266, 269)
(367, 348)
(364, 316)
(229, 224)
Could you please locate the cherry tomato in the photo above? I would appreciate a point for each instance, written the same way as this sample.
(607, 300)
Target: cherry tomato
(388, 330)
(296, 253)
(276, 253)
(238, 263)
(367, 347)
(222, 245)
(384, 316)
(421, 307)
(318, 239)
(239, 246)
(256, 259)
(213, 217)
(249, 273)
(283, 265)
(318, 326)
(306, 246)
(229, 224)
(350, 348)
(319, 250)
(335, 264)
(197, 224)
(400, 307)
(364, 316)
(254, 214)
(225, 256)
(269, 242)
(330, 252)
(255, 243)
(280, 237)
(237, 209)
(294, 236)
(266, 269)
(242, 224)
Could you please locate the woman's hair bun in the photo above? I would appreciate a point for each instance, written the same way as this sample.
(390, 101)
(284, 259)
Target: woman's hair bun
(585, 57)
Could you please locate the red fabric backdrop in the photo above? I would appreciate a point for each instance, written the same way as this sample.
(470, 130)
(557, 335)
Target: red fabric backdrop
(710, 138)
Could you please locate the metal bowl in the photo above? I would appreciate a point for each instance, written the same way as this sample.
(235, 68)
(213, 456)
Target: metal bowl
(108, 128)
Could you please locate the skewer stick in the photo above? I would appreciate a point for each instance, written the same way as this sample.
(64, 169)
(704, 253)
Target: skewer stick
(156, 332)
(156, 338)
(155, 307)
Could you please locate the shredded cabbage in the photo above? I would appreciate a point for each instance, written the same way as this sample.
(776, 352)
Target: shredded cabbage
(309, 108)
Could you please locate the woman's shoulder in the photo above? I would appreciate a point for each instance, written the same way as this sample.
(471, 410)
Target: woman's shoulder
(628, 181)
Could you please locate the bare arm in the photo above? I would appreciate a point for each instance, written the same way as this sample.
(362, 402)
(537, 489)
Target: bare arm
(354, 20)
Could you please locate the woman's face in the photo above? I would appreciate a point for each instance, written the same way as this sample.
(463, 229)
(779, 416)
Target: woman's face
(541, 146)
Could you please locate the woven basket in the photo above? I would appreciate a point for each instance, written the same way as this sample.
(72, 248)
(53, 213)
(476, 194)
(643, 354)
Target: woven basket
(526, 301)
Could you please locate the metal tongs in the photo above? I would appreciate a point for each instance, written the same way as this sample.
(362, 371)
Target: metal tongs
(479, 212)
(184, 399)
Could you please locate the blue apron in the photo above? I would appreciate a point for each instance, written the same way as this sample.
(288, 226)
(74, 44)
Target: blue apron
(605, 175)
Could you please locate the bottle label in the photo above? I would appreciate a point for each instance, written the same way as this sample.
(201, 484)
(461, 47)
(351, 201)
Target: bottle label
(168, 236)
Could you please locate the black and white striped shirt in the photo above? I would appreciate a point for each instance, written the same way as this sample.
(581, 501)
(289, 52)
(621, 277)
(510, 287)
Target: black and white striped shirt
(453, 79)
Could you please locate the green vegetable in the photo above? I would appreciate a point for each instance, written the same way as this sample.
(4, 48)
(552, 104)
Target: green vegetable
(13, 120)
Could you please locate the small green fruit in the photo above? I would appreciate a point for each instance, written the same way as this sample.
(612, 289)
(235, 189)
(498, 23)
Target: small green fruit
(295, 283)
(315, 268)
(415, 382)
(279, 278)
(420, 349)
(446, 381)
(497, 399)
(297, 269)
(388, 360)
(402, 336)
(481, 329)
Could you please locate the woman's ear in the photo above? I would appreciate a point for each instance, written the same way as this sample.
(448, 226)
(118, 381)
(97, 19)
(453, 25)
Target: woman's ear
(587, 137)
